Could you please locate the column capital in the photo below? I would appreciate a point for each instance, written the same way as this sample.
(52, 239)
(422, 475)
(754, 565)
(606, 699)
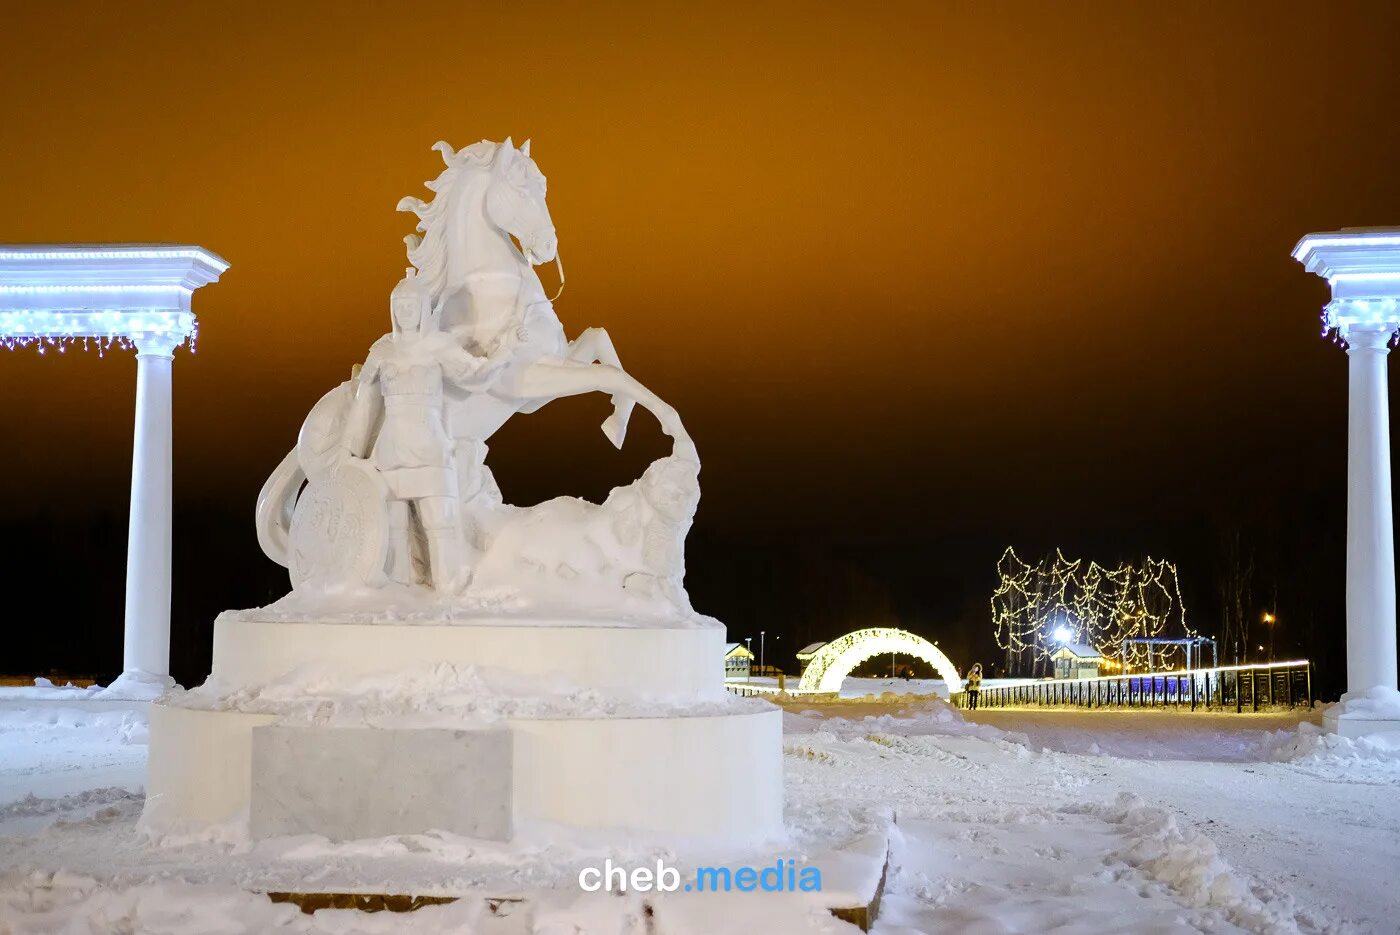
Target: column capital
(1370, 338)
(1362, 269)
(157, 345)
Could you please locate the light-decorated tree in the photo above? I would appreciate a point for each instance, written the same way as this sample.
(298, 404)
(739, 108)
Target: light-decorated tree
(1038, 607)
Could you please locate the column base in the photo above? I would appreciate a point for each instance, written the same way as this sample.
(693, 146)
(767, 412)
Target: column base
(1360, 714)
(135, 685)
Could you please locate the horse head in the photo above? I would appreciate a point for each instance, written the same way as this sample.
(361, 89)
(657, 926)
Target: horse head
(487, 194)
(515, 202)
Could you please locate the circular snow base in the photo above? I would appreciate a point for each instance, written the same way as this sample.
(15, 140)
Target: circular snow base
(683, 663)
(497, 728)
(712, 777)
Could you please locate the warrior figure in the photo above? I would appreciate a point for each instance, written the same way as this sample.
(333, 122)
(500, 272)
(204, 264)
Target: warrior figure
(406, 370)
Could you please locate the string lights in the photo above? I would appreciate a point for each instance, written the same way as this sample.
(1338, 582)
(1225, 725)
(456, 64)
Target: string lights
(1037, 608)
(71, 252)
(1340, 316)
(54, 297)
(99, 330)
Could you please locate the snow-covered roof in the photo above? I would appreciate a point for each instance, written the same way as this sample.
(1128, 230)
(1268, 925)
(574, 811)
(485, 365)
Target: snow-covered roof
(1081, 650)
(810, 648)
(729, 650)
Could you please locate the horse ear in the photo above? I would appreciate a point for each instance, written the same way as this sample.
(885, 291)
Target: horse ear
(525, 149)
(503, 154)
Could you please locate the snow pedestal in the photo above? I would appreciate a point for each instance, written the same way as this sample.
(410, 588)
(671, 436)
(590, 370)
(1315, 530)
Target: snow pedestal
(514, 728)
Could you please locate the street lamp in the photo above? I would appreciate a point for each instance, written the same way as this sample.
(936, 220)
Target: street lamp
(1270, 619)
(748, 644)
(760, 652)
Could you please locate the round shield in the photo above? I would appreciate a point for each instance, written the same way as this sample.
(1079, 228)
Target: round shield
(340, 528)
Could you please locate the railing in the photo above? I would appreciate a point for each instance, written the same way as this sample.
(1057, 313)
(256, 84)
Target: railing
(1241, 688)
(780, 684)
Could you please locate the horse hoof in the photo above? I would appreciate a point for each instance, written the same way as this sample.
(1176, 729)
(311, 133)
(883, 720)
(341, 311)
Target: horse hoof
(615, 429)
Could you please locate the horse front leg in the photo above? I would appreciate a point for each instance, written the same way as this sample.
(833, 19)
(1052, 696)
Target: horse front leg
(595, 346)
(552, 379)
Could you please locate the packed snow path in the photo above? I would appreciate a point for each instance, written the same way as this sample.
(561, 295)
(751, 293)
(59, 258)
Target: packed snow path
(1005, 821)
(1004, 801)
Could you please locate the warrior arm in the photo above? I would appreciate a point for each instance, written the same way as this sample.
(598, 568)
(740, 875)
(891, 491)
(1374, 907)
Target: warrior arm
(368, 372)
(536, 322)
(360, 421)
(460, 367)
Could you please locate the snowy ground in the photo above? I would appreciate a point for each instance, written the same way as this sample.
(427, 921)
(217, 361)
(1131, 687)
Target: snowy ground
(1006, 821)
(859, 688)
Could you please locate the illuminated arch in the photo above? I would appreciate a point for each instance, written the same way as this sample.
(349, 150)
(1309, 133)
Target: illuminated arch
(834, 661)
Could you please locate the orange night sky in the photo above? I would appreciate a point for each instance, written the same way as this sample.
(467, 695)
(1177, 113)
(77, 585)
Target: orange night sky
(910, 272)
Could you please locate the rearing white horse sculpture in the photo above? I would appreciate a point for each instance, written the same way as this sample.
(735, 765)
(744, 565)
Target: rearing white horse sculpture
(480, 237)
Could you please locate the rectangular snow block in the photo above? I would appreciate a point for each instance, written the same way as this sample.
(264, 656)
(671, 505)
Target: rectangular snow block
(365, 782)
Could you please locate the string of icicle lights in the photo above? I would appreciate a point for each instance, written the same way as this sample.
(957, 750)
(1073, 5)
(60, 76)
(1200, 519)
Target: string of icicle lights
(45, 331)
(1037, 608)
(1340, 315)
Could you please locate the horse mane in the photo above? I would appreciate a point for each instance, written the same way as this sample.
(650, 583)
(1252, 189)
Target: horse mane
(428, 253)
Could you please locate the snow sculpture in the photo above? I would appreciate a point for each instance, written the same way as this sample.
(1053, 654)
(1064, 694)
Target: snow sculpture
(539, 666)
(627, 552)
(475, 340)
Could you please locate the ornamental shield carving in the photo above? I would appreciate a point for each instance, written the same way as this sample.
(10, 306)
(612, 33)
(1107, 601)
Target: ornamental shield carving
(340, 529)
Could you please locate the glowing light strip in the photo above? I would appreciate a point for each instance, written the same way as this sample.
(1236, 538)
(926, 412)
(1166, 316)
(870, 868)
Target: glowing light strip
(103, 322)
(1365, 304)
(29, 290)
(1160, 673)
(115, 255)
(104, 329)
(1373, 240)
(1341, 316)
(742, 688)
(1392, 276)
(103, 344)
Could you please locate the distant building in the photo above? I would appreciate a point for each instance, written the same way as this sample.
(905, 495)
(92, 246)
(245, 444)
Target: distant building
(1077, 661)
(805, 654)
(738, 661)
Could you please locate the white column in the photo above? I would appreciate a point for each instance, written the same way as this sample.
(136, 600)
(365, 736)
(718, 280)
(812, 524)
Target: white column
(146, 656)
(1370, 529)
